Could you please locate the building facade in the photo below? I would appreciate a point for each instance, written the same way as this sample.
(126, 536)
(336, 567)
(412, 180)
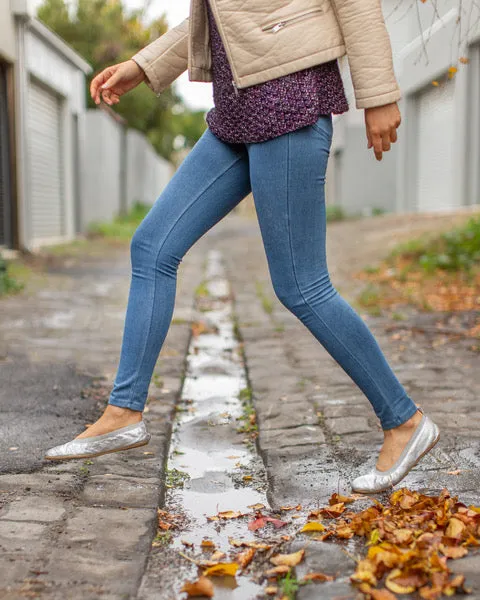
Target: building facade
(434, 164)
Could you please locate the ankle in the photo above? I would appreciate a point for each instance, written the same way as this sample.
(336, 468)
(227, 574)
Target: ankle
(119, 413)
(409, 425)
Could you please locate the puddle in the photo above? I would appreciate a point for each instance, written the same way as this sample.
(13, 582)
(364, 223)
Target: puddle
(206, 444)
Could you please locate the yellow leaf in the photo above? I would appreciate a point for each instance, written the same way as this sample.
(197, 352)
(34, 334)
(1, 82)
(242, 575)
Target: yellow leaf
(452, 70)
(201, 587)
(455, 528)
(289, 560)
(313, 526)
(435, 83)
(365, 572)
(207, 544)
(395, 587)
(222, 569)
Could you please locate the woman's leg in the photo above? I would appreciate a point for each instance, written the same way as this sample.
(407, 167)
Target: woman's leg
(210, 182)
(287, 175)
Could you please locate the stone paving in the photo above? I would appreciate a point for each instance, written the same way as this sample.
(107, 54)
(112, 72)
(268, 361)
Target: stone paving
(80, 529)
(77, 530)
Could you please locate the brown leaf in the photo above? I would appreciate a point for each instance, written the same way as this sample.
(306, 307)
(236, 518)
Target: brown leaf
(207, 544)
(217, 555)
(245, 557)
(318, 577)
(455, 528)
(201, 587)
(381, 594)
(337, 498)
(279, 570)
(290, 560)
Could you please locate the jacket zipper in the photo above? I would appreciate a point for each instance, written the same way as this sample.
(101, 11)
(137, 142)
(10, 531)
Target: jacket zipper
(274, 27)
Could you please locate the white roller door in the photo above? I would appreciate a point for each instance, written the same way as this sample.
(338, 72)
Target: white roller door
(435, 150)
(46, 165)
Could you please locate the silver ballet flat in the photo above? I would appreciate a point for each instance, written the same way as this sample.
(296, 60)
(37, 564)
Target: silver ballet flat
(131, 436)
(423, 439)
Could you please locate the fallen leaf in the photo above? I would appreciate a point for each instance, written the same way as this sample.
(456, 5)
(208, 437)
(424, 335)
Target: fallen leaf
(289, 560)
(187, 544)
(337, 498)
(207, 544)
(217, 555)
(271, 590)
(257, 506)
(222, 569)
(245, 557)
(455, 528)
(381, 594)
(279, 570)
(201, 587)
(397, 584)
(313, 526)
(260, 521)
(318, 577)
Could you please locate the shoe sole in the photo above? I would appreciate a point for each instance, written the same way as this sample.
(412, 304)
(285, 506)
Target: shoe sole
(414, 465)
(73, 456)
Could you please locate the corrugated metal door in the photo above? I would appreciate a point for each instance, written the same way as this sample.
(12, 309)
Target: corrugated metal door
(46, 165)
(435, 148)
(5, 194)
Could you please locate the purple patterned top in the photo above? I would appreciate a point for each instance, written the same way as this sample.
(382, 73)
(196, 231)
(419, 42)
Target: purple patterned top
(266, 110)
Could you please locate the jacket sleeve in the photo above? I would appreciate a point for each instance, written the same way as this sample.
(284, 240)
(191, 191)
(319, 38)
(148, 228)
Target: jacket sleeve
(369, 51)
(165, 58)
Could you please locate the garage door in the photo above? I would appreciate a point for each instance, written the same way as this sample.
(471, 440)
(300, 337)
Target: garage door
(436, 149)
(46, 165)
(5, 197)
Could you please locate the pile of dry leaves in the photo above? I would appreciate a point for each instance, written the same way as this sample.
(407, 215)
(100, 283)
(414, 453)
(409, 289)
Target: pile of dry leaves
(408, 539)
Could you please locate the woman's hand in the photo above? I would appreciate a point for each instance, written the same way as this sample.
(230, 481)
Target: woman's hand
(115, 81)
(382, 123)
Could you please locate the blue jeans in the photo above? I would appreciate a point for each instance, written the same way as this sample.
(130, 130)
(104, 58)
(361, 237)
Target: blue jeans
(286, 175)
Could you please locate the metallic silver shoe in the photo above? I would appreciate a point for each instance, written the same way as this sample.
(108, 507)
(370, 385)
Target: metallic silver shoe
(131, 436)
(423, 439)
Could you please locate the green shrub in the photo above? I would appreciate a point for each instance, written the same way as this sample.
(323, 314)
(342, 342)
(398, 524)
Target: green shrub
(335, 213)
(123, 226)
(7, 283)
(455, 250)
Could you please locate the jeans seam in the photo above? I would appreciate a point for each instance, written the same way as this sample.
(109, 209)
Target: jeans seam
(298, 285)
(156, 260)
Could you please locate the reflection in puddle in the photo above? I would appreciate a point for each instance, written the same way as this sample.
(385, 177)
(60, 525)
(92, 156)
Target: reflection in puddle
(206, 444)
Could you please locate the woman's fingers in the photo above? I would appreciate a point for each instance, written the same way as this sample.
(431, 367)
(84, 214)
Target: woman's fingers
(98, 81)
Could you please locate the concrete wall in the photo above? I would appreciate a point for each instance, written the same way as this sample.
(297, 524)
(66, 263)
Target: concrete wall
(7, 32)
(101, 171)
(147, 173)
(120, 168)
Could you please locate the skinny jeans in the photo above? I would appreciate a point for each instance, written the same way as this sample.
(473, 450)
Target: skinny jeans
(286, 175)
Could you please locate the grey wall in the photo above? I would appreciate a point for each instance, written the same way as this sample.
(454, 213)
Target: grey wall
(360, 182)
(7, 32)
(147, 173)
(120, 167)
(101, 180)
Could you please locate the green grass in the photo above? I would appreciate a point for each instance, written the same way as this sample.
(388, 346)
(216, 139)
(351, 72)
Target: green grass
(11, 275)
(455, 250)
(289, 586)
(267, 302)
(335, 213)
(123, 226)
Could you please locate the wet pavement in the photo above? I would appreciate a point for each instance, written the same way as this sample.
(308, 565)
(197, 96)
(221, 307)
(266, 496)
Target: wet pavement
(84, 529)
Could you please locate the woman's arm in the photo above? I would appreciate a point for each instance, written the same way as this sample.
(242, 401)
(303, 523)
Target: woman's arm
(165, 58)
(369, 51)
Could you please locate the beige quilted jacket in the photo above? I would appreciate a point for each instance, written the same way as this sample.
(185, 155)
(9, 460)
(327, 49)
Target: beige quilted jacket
(265, 39)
